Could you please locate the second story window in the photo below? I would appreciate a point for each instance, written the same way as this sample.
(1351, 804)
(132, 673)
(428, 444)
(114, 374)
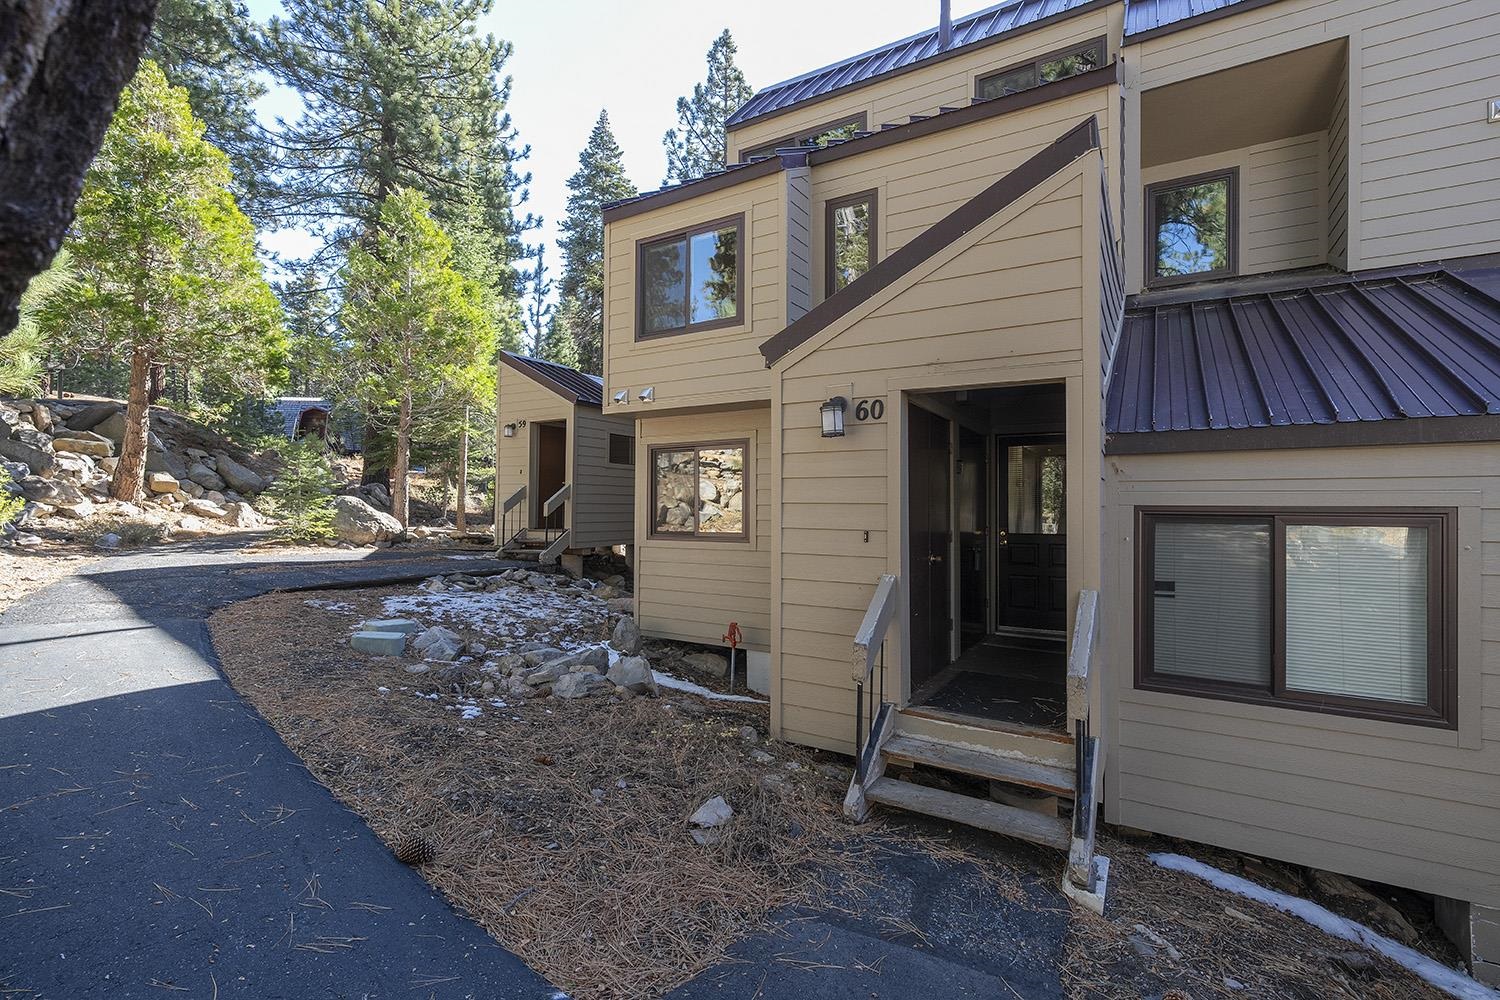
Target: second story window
(691, 280)
(850, 229)
(1047, 69)
(1190, 227)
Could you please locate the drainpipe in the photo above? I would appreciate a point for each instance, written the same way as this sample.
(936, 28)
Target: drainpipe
(945, 25)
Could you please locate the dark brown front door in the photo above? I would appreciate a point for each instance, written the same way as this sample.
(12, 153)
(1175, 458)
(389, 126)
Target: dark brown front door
(551, 471)
(972, 484)
(1033, 540)
(931, 530)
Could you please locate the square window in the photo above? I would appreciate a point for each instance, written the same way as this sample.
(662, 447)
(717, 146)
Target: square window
(699, 491)
(1190, 227)
(691, 280)
(621, 449)
(1338, 612)
(851, 249)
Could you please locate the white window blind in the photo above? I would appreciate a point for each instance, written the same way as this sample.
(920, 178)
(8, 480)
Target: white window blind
(1212, 600)
(1356, 610)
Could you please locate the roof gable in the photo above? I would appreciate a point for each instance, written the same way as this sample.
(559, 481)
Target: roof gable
(569, 383)
(1081, 139)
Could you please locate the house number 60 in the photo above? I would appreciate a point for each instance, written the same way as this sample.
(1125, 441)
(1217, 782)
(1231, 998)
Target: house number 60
(869, 409)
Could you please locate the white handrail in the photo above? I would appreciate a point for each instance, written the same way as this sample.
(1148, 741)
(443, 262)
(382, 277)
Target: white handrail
(1081, 655)
(872, 630)
(557, 499)
(515, 498)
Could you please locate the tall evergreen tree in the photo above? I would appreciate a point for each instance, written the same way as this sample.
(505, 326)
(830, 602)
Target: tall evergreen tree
(166, 262)
(558, 346)
(697, 145)
(537, 303)
(208, 48)
(599, 180)
(311, 344)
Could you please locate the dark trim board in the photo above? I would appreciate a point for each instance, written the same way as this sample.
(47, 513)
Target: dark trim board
(1352, 434)
(872, 197)
(653, 200)
(1074, 143)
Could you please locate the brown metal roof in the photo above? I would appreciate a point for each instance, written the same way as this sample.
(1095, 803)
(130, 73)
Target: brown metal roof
(1310, 350)
(572, 385)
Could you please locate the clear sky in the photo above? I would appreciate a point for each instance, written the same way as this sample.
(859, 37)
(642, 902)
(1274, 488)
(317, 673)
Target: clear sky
(574, 57)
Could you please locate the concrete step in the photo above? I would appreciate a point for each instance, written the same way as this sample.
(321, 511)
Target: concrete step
(981, 763)
(1036, 828)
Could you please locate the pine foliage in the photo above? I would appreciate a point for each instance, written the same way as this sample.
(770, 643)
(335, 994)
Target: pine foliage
(698, 145)
(23, 351)
(301, 497)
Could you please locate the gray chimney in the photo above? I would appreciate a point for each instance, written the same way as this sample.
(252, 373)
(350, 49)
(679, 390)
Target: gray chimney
(945, 25)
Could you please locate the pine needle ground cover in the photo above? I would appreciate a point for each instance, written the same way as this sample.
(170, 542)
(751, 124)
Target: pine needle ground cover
(561, 826)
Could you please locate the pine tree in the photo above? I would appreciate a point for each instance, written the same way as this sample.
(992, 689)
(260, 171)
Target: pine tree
(311, 345)
(599, 180)
(208, 48)
(538, 306)
(23, 351)
(421, 342)
(558, 346)
(697, 145)
(301, 497)
(166, 260)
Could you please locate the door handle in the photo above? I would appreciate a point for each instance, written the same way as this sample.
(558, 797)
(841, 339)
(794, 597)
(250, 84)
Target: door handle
(934, 559)
(1002, 538)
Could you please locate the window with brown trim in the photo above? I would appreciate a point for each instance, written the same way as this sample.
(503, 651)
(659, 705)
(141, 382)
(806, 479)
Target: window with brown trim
(699, 491)
(690, 280)
(621, 449)
(1049, 68)
(850, 230)
(1191, 225)
(818, 135)
(1343, 612)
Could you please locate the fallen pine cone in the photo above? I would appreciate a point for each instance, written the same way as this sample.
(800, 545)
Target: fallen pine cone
(415, 849)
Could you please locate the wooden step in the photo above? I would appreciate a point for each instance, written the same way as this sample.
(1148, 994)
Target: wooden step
(981, 763)
(1046, 747)
(1050, 831)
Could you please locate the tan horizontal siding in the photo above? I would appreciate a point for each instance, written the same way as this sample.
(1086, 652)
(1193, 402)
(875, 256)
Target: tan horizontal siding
(1418, 143)
(1410, 805)
(523, 398)
(945, 83)
(1008, 300)
(692, 590)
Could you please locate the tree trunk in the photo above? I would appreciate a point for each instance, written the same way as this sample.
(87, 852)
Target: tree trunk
(157, 384)
(403, 454)
(374, 471)
(461, 518)
(130, 473)
(62, 66)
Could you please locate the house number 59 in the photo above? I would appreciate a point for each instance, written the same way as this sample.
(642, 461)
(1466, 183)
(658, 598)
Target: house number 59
(869, 409)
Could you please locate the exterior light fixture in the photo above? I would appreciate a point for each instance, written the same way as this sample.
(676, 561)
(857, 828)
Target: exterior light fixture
(509, 430)
(833, 417)
(621, 396)
(647, 394)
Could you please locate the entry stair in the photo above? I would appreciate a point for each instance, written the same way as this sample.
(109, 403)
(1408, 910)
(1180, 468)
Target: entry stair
(534, 544)
(1033, 785)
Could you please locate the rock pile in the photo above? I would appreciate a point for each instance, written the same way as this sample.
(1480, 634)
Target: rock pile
(61, 455)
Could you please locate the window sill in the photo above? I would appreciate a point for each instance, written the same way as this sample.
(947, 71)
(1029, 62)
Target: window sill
(1425, 718)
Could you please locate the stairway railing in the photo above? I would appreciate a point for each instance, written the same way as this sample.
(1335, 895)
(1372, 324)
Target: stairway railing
(869, 695)
(506, 536)
(1083, 685)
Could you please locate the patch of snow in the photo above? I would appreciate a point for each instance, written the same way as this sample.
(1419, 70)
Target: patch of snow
(428, 697)
(472, 712)
(1449, 981)
(688, 687)
(561, 620)
(383, 690)
(465, 557)
(339, 607)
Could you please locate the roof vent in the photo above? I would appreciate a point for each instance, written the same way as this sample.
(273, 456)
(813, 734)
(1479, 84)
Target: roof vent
(945, 25)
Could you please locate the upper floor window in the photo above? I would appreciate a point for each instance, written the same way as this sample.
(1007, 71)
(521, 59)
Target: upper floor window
(1057, 66)
(850, 228)
(818, 135)
(691, 280)
(1331, 611)
(1190, 227)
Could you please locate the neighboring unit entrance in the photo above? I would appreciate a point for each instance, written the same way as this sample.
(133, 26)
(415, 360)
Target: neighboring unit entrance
(551, 471)
(1032, 585)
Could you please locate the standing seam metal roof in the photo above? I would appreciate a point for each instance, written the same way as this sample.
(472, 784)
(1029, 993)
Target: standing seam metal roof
(1145, 16)
(588, 388)
(1420, 342)
(972, 29)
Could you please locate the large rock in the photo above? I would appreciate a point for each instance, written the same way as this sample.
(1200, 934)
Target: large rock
(191, 527)
(627, 637)
(202, 508)
(379, 643)
(438, 643)
(205, 477)
(241, 515)
(709, 664)
(41, 418)
(112, 427)
(37, 489)
(76, 467)
(633, 673)
(41, 463)
(580, 685)
(357, 522)
(239, 478)
(28, 434)
(161, 482)
(92, 416)
(594, 660)
(83, 446)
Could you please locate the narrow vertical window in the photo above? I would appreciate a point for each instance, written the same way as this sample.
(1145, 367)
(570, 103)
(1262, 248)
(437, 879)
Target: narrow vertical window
(851, 236)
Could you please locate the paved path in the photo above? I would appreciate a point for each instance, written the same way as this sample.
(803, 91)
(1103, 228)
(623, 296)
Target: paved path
(156, 836)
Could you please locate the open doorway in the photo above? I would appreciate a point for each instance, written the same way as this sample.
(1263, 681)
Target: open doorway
(551, 471)
(987, 484)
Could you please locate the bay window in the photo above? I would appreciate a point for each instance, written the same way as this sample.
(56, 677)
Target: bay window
(1342, 612)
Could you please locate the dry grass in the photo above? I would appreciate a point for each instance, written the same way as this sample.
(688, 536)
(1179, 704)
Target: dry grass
(1219, 937)
(562, 825)
(24, 571)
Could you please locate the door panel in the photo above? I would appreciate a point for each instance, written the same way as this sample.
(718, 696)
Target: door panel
(972, 484)
(930, 531)
(1033, 541)
(551, 472)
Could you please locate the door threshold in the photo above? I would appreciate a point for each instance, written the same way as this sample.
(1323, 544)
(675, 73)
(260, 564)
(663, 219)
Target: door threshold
(1022, 632)
(993, 725)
